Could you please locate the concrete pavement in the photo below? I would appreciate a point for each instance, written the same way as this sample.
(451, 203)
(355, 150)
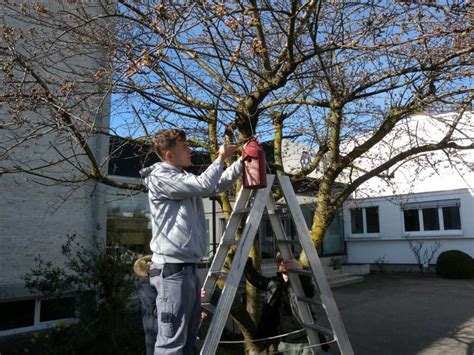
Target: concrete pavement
(408, 314)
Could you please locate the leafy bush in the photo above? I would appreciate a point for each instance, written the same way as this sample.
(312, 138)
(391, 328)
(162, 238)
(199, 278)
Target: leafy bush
(101, 279)
(455, 264)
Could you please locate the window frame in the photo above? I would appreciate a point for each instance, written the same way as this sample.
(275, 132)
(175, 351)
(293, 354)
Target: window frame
(37, 323)
(364, 233)
(439, 205)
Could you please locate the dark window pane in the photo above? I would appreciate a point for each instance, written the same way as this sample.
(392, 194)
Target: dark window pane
(268, 230)
(333, 242)
(57, 309)
(17, 314)
(267, 242)
(291, 233)
(412, 223)
(372, 215)
(223, 224)
(451, 217)
(356, 220)
(308, 215)
(430, 219)
(290, 228)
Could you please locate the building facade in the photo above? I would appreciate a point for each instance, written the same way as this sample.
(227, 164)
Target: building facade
(36, 213)
(384, 230)
(424, 208)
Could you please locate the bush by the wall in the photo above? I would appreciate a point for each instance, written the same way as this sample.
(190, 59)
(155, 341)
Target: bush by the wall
(101, 278)
(454, 264)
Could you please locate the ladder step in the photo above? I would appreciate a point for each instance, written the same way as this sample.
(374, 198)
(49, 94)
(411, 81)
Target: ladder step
(320, 329)
(310, 300)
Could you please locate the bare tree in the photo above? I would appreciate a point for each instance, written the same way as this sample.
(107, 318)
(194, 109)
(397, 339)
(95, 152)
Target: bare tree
(345, 78)
(423, 255)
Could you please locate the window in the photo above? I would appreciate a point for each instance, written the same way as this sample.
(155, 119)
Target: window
(129, 225)
(412, 223)
(128, 220)
(372, 216)
(267, 239)
(17, 314)
(333, 242)
(451, 218)
(430, 219)
(32, 314)
(357, 224)
(432, 216)
(365, 220)
(57, 309)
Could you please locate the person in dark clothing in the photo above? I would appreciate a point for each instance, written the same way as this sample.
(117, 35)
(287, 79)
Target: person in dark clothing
(147, 297)
(280, 313)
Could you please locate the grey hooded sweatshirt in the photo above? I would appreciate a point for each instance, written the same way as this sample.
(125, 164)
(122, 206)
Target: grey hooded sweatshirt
(178, 221)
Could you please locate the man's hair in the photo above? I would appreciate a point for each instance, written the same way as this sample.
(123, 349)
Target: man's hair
(166, 139)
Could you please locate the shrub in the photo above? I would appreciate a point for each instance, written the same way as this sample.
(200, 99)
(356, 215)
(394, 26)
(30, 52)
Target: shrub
(101, 279)
(454, 264)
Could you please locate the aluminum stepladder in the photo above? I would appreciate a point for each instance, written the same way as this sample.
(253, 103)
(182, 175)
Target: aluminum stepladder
(324, 298)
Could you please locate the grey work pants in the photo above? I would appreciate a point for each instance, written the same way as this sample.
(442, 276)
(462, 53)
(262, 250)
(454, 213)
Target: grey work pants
(178, 306)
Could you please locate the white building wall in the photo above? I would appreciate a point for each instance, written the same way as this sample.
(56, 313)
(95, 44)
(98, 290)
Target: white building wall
(398, 252)
(36, 217)
(35, 222)
(414, 181)
(391, 245)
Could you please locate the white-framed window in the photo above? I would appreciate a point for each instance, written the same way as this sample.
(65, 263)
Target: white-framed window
(365, 220)
(19, 316)
(432, 217)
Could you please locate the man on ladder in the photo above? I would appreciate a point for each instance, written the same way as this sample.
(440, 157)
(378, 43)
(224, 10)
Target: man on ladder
(179, 237)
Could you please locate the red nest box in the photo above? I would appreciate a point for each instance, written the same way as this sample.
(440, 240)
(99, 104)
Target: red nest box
(253, 157)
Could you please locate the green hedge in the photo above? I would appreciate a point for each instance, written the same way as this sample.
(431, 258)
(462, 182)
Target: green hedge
(454, 264)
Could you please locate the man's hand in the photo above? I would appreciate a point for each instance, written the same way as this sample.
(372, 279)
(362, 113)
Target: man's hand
(290, 264)
(203, 294)
(286, 265)
(226, 151)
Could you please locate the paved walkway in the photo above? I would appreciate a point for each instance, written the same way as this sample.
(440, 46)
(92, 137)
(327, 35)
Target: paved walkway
(405, 315)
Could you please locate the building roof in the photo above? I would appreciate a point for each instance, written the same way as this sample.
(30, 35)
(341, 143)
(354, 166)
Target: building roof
(128, 157)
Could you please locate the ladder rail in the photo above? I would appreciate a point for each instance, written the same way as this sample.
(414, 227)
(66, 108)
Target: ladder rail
(327, 297)
(304, 308)
(238, 264)
(223, 247)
